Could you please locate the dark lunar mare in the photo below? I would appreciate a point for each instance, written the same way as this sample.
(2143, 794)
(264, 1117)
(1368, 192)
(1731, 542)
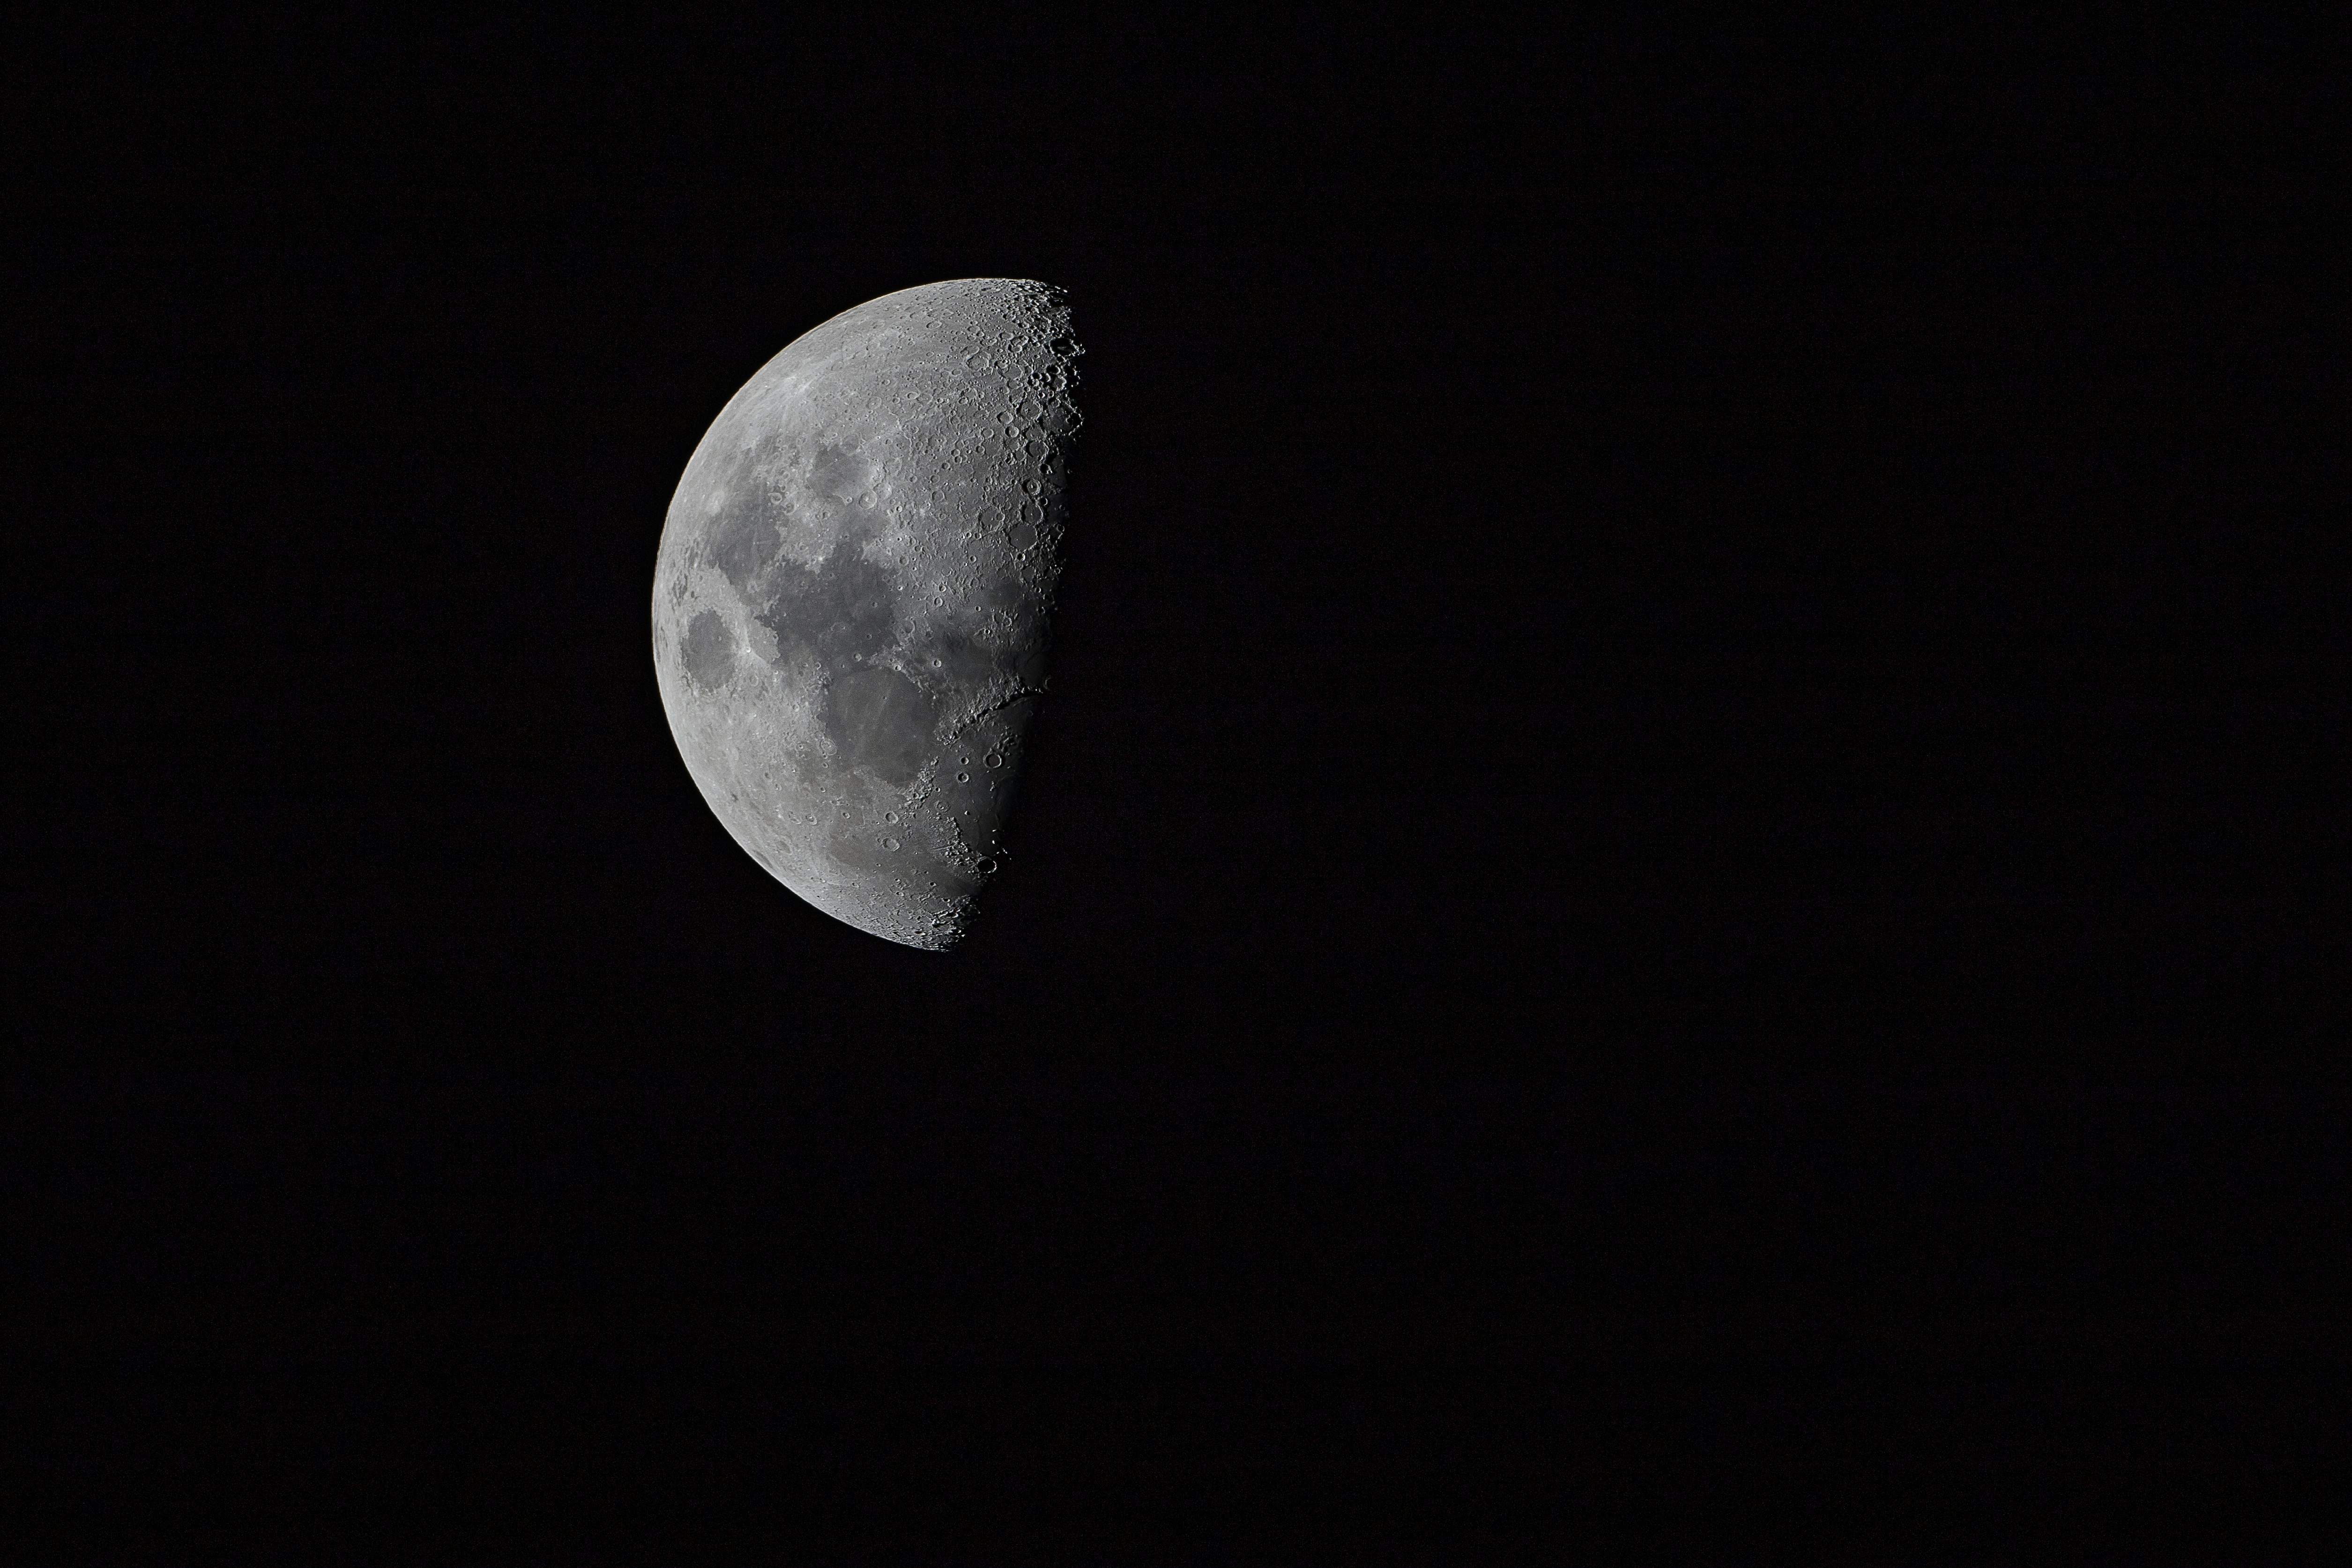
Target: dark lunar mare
(743, 539)
(709, 651)
(845, 611)
(880, 721)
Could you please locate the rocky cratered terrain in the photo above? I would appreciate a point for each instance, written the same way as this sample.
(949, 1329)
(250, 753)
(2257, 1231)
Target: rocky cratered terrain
(851, 600)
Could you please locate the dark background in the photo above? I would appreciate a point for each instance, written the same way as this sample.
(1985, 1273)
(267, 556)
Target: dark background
(1683, 891)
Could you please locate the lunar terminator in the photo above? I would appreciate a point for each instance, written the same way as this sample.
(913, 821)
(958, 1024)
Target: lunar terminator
(853, 593)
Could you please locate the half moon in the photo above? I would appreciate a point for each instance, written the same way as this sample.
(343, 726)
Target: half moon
(853, 595)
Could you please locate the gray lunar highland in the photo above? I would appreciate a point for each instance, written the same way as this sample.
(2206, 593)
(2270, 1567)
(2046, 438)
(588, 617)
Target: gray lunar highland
(852, 591)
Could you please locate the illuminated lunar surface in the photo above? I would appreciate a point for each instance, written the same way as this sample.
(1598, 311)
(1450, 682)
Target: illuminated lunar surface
(852, 597)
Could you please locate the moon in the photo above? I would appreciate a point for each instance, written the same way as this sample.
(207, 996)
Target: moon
(854, 591)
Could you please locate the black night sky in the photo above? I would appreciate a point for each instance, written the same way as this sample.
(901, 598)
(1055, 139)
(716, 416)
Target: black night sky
(1683, 896)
